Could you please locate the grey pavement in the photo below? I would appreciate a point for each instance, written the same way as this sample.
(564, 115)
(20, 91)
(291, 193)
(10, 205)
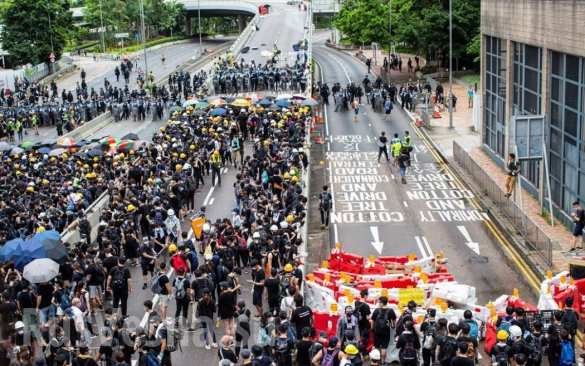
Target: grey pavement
(176, 55)
(431, 213)
(219, 201)
(285, 25)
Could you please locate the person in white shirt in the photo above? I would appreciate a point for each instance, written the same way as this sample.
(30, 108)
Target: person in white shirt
(79, 319)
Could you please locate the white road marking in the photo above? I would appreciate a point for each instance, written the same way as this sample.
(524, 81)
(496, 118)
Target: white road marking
(211, 202)
(473, 245)
(420, 247)
(206, 200)
(376, 243)
(427, 245)
(405, 203)
(335, 233)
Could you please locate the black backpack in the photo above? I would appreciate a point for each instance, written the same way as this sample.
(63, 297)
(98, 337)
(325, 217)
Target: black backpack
(118, 279)
(570, 320)
(281, 350)
(408, 352)
(448, 351)
(382, 325)
(325, 200)
(536, 346)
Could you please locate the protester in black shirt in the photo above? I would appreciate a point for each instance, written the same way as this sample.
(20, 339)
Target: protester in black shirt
(302, 315)
(120, 285)
(272, 284)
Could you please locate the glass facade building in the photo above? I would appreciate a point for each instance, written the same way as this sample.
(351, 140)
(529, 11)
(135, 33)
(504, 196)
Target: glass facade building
(495, 95)
(567, 133)
(528, 79)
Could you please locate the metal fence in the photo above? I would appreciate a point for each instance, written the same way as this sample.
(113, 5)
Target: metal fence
(538, 243)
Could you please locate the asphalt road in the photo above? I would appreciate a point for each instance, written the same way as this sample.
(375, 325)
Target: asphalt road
(283, 26)
(219, 200)
(176, 55)
(375, 214)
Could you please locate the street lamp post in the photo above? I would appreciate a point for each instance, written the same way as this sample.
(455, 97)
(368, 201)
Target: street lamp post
(199, 24)
(143, 40)
(102, 29)
(450, 63)
(389, 29)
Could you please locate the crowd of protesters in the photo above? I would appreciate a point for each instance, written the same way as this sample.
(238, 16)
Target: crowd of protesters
(34, 105)
(233, 78)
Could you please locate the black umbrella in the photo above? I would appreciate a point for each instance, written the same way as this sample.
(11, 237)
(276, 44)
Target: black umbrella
(95, 152)
(131, 136)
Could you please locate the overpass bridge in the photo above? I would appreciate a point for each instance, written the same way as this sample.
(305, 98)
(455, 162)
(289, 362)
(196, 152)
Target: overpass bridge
(220, 8)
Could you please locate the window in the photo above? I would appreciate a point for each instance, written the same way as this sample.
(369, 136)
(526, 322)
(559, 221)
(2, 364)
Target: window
(567, 135)
(527, 94)
(495, 95)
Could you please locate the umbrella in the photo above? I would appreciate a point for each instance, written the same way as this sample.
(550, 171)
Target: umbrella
(216, 102)
(229, 99)
(52, 245)
(57, 152)
(41, 270)
(242, 103)
(95, 152)
(131, 136)
(282, 103)
(299, 97)
(10, 249)
(284, 96)
(218, 112)
(309, 102)
(201, 105)
(27, 145)
(44, 150)
(16, 150)
(66, 142)
(265, 102)
(109, 140)
(5, 146)
(189, 102)
(125, 146)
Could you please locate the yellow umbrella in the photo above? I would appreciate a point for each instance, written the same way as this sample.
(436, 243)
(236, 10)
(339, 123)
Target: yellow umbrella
(241, 103)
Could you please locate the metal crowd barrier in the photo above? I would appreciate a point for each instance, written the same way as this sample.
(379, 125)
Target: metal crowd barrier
(535, 239)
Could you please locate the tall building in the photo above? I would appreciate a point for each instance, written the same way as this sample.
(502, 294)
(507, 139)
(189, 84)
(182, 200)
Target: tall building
(533, 63)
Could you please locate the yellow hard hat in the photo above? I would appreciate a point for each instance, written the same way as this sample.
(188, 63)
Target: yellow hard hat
(286, 176)
(53, 158)
(295, 179)
(85, 166)
(95, 158)
(41, 229)
(178, 167)
(183, 155)
(122, 155)
(192, 147)
(502, 335)
(288, 268)
(172, 249)
(131, 208)
(216, 152)
(45, 181)
(30, 189)
(290, 218)
(351, 350)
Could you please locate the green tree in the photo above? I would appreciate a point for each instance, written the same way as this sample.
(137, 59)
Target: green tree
(421, 25)
(27, 35)
(116, 16)
(173, 12)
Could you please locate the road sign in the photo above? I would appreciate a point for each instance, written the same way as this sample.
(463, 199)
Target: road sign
(529, 135)
(52, 57)
(122, 35)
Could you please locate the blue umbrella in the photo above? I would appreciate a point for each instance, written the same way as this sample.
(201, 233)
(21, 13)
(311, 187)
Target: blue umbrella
(10, 249)
(283, 103)
(44, 150)
(218, 112)
(265, 102)
(51, 244)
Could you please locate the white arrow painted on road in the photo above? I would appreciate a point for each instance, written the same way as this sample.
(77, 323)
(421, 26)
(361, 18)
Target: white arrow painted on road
(376, 243)
(473, 245)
